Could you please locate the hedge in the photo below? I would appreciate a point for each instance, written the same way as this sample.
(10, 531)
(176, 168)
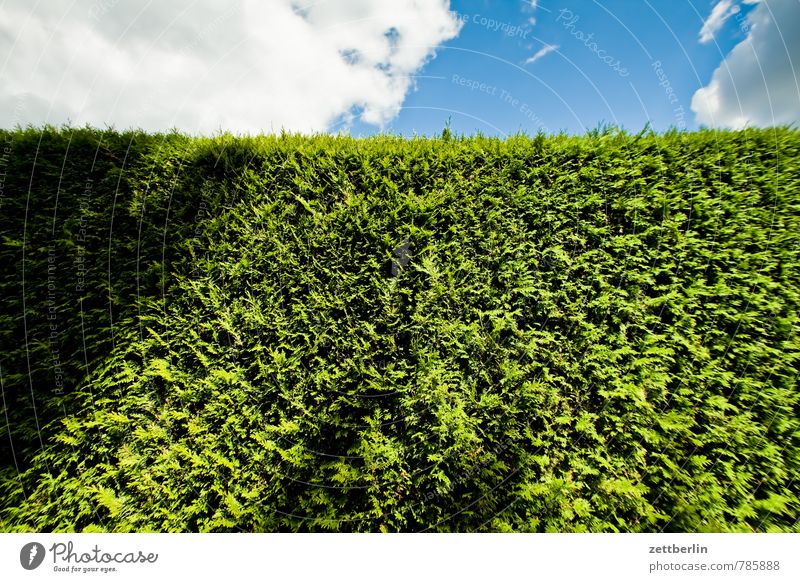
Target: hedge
(324, 333)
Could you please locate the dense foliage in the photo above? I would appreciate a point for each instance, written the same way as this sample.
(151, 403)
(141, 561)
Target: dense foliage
(291, 333)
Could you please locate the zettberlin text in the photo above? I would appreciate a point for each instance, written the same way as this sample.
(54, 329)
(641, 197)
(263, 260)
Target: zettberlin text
(674, 549)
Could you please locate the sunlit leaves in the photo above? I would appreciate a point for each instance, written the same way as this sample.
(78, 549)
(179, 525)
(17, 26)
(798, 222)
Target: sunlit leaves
(591, 333)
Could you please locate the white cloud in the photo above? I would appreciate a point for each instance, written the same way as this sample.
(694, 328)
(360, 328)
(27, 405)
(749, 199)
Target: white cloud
(253, 65)
(546, 49)
(530, 6)
(719, 14)
(757, 83)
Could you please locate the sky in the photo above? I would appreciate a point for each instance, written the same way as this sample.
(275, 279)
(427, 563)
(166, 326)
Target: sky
(406, 67)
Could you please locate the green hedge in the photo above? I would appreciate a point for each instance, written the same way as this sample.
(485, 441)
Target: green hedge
(288, 333)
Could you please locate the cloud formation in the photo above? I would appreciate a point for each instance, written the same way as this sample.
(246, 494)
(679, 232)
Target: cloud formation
(199, 65)
(757, 84)
(722, 10)
(546, 49)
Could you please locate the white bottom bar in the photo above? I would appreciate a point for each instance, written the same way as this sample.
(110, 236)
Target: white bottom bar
(407, 557)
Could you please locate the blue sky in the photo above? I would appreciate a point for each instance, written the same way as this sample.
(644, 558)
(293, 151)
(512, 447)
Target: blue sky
(570, 88)
(401, 66)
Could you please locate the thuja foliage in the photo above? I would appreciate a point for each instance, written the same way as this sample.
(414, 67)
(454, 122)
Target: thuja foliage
(289, 333)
